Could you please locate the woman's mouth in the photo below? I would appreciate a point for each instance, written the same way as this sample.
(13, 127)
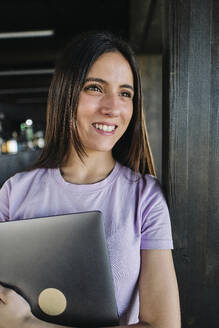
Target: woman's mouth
(105, 127)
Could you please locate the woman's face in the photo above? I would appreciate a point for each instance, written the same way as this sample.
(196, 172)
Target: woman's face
(105, 103)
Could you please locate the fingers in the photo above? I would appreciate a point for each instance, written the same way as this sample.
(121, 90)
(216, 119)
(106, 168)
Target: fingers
(9, 296)
(3, 294)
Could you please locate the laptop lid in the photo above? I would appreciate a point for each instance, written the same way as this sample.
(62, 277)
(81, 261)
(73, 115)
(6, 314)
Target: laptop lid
(60, 264)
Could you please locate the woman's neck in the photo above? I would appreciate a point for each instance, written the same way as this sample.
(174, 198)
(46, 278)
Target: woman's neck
(93, 168)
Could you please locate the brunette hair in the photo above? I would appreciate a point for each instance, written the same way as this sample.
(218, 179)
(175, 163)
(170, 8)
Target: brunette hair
(132, 149)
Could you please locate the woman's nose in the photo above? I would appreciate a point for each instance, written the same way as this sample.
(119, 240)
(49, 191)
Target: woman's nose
(110, 105)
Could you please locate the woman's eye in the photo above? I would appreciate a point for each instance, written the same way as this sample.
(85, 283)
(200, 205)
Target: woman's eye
(93, 87)
(126, 94)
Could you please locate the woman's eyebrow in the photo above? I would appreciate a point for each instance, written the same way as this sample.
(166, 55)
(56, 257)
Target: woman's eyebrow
(127, 86)
(97, 79)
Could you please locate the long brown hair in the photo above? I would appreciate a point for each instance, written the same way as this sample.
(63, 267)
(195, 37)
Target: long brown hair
(132, 149)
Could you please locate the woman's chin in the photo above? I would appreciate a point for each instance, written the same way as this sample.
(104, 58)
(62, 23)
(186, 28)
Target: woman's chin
(102, 149)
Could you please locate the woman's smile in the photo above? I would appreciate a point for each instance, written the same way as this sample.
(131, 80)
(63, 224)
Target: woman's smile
(105, 129)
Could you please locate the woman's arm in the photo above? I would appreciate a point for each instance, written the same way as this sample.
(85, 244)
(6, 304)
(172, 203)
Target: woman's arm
(159, 299)
(158, 291)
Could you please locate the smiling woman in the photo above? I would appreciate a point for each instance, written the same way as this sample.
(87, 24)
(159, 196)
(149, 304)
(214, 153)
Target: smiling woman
(74, 74)
(97, 158)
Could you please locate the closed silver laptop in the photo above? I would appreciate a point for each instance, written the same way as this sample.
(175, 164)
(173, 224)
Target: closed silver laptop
(60, 265)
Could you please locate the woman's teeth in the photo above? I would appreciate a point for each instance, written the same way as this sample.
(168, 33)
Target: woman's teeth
(105, 127)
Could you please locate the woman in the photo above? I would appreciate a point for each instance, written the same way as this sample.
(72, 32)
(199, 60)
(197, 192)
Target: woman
(97, 157)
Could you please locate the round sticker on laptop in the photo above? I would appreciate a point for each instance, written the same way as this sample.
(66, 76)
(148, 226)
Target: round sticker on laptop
(52, 301)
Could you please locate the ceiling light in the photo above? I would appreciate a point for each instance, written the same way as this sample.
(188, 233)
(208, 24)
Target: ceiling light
(27, 72)
(26, 34)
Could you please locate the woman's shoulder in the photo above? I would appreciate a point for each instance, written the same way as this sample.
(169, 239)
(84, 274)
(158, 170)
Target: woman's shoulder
(26, 177)
(137, 178)
(147, 186)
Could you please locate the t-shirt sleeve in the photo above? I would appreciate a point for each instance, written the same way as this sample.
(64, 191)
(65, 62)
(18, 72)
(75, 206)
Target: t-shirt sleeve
(4, 201)
(156, 226)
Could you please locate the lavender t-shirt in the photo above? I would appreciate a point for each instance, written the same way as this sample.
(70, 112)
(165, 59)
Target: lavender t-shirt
(134, 210)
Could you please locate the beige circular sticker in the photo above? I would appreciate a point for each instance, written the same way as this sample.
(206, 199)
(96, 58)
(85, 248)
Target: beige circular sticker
(52, 301)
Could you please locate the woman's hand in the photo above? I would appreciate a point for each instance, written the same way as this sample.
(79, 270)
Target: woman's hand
(14, 310)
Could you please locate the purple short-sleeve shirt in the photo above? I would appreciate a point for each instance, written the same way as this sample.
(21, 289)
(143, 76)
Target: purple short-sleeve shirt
(135, 217)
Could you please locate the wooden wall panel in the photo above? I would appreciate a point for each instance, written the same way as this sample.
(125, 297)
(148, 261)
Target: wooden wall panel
(190, 153)
(212, 261)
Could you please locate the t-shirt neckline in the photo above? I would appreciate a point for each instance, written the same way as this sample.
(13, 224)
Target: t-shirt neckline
(86, 187)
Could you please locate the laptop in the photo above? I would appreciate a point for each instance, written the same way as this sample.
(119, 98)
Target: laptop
(60, 265)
